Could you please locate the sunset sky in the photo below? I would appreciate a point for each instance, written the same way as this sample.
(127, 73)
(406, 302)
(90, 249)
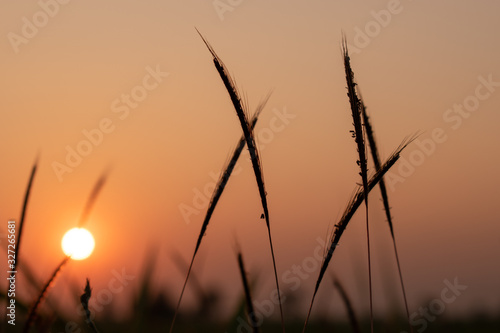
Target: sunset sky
(129, 88)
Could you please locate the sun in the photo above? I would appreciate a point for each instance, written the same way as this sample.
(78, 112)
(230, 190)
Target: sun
(78, 243)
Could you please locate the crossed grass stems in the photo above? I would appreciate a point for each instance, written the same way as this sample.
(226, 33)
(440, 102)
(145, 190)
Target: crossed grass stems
(362, 129)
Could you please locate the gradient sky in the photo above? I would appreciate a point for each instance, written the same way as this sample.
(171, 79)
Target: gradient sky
(421, 66)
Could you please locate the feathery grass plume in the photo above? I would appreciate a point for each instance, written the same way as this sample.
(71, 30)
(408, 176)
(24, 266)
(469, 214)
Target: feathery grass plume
(376, 160)
(224, 178)
(84, 299)
(242, 116)
(358, 135)
(348, 305)
(385, 198)
(250, 310)
(92, 199)
(355, 103)
(43, 293)
(86, 211)
(254, 154)
(219, 188)
(356, 201)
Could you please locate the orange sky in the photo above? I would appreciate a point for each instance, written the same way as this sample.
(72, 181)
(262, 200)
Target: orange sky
(139, 73)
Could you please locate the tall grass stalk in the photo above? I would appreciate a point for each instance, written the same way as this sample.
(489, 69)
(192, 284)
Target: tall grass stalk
(358, 135)
(254, 154)
(219, 189)
(356, 201)
(348, 305)
(248, 297)
(23, 212)
(385, 198)
(183, 267)
(50, 282)
(84, 299)
(143, 296)
(92, 199)
(21, 227)
(83, 219)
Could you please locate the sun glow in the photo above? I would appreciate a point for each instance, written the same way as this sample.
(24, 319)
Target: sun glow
(78, 243)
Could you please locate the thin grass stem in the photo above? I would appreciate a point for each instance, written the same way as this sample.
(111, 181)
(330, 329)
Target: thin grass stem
(254, 154)
(356, 201)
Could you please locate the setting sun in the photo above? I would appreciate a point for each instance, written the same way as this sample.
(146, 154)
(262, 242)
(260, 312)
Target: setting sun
(78, 243)
(294, 166)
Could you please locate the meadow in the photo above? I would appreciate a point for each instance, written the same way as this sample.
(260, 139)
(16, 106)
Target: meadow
(157, 312)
